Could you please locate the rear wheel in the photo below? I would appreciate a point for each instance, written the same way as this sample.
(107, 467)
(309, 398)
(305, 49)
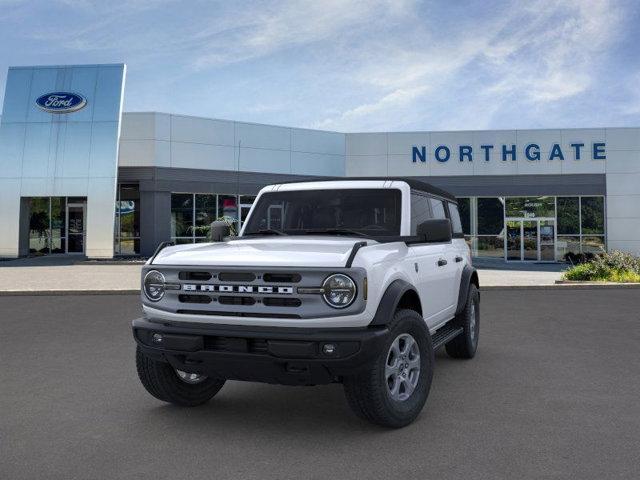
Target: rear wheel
(466, 344)
(392, 390)
(175, 386)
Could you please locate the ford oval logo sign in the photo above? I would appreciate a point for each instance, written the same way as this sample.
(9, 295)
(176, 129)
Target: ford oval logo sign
(61, 102)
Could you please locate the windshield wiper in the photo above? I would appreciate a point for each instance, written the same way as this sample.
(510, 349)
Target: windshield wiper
(336, 231)
(265, 231)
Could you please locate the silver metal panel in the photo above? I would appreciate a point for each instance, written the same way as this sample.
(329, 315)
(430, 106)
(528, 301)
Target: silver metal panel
(61, 154)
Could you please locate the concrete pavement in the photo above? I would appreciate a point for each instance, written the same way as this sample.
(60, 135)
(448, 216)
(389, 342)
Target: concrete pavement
(552, 394)
(65, 275)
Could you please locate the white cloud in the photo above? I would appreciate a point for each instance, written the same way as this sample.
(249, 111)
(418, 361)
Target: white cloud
(541, 53)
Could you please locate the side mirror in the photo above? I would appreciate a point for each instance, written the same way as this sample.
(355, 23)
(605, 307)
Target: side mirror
(435, 230)
(219, 230)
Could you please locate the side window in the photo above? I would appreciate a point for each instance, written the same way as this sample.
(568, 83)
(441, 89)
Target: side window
(437, 208)
(456, 223)
(420, 211)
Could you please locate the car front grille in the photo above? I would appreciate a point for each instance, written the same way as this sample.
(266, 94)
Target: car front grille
(246, 292)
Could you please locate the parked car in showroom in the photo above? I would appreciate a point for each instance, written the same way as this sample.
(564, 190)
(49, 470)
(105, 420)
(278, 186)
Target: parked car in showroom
(353, 281)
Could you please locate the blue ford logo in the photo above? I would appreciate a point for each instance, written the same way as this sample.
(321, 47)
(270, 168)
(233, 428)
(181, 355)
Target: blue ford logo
(61, 102)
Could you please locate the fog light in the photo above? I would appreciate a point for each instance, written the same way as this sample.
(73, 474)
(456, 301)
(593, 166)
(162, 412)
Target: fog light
(328, 349)
(156, 338)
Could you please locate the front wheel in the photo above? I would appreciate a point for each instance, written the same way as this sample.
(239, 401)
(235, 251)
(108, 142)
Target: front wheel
(392, 390)
(175, 386)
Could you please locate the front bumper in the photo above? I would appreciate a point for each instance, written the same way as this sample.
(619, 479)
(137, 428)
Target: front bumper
(288, 356)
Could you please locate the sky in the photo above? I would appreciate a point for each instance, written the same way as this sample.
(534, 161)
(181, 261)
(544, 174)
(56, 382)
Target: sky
(351, 65)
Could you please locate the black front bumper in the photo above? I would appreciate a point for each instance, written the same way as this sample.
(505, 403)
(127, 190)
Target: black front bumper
(288, 356)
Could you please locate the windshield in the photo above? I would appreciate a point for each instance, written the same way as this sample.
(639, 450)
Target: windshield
(360, 212)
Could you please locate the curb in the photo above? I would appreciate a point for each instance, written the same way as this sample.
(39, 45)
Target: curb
(38, 293)
(564, 286)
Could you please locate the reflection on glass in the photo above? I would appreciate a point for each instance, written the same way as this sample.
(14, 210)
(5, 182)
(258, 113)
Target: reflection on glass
(464, 207)
(593, 244)
(490, 216)
(228, 206)
(547, 242)
(530, 207)
(530, 240)
(490, 246)
(181, 214)
(568, 216)
(39, 225)
(58, 216)
(514, 240)
(568, 244)
(592, 215)
(205, 214)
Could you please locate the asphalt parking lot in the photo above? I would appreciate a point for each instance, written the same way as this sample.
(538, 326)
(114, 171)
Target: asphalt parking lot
(554, 392)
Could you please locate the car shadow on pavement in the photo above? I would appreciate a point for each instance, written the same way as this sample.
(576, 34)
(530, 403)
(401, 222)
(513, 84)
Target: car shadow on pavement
(272, 408)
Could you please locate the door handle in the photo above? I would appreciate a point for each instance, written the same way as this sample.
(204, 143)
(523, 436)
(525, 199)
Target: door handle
(458, 259)
(442, 262)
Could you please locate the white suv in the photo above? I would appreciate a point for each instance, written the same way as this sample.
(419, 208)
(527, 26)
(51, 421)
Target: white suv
(355, 281)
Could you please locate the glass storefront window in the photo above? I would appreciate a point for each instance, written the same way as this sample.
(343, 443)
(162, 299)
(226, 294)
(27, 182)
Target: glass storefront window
(579, 224)
(592, 213)
(39, 225)
(205, 213)
(193, 213)
(490, 216)
(593, 244)
(568, 216)
(127, 227)
(228, 207)
(530, 207)
(490, 246)
(48, 229)
(567, 244)
(181, 215)
(464, 207)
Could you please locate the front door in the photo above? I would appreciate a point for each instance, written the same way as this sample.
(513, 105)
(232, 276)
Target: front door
(75, 227)
(530, 240)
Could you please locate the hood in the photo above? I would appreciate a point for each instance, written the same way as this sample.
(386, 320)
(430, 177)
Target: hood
(289, 251)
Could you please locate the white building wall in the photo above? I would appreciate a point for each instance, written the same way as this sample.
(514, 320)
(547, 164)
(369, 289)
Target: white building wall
(164, 140)
(369, 154)
(391, 153)
(623, 189)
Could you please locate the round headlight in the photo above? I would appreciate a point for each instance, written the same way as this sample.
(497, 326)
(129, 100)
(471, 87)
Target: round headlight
(339, 291)
(153, 285)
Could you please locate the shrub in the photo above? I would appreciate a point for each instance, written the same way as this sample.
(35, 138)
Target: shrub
(615, 266)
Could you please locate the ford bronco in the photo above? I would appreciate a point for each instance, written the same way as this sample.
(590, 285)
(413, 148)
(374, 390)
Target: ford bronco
(356, 281)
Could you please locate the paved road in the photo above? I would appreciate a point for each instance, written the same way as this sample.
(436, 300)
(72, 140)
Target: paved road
(553, 393)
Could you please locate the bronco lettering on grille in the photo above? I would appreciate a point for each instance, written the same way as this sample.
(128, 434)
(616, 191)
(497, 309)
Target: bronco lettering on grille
(191, 287)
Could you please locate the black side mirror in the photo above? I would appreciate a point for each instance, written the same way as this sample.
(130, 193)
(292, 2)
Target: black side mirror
(219, 230)
(435, 230)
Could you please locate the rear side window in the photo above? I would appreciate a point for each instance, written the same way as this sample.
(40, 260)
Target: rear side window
(420, 211)
(456, 223)
(437, 208)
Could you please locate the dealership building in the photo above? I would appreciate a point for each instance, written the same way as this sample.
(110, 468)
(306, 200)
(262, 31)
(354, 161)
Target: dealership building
(80, 176)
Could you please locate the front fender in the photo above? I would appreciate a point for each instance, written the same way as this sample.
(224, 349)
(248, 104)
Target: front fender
(390, 300)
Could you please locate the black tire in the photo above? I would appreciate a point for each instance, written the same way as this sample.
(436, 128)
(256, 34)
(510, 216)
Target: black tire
(161, 380)
(466, 344)
(368, 393)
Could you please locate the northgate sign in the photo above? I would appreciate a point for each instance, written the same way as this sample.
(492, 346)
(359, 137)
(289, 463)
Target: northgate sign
(531, 152)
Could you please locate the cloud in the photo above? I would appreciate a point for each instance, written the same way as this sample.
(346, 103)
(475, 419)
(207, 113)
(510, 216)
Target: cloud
(348, 65)
(534, 55)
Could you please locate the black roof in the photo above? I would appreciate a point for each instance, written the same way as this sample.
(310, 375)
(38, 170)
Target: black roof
(413, 184)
